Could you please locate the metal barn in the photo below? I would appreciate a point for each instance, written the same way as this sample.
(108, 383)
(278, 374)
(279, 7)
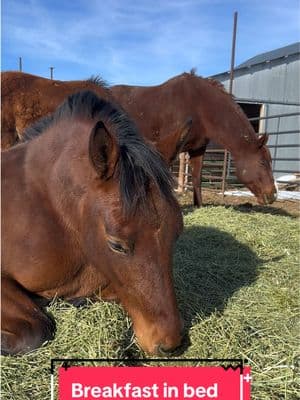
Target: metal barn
(267, 87)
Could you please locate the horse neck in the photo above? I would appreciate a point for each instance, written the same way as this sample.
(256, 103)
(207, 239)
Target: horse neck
(225, 124)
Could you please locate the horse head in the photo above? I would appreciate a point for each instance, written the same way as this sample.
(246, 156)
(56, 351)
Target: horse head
(132, 222)
(254, 169)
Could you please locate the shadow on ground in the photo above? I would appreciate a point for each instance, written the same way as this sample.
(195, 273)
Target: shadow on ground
(244, 208)
(210, 266)
(248, 207)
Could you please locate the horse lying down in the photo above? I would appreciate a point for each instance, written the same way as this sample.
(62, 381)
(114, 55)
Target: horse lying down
(88, 207)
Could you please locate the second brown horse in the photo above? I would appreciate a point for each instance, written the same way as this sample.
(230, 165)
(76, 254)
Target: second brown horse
(216, 117)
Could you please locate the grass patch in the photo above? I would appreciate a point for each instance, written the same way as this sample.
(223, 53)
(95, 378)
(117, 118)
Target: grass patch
(237, 283)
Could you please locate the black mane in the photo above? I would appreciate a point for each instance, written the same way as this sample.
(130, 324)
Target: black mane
(139, 164)
(99, 81)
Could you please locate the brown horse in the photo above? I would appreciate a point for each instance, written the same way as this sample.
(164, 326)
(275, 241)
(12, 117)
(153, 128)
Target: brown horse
(26, 98)
(95, 215)
(216, 117)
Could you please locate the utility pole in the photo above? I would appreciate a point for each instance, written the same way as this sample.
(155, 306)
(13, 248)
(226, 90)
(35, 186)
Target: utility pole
(51, 72)
(20, 64)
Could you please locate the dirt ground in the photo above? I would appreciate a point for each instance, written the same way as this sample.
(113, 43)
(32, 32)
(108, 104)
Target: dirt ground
(246, 204)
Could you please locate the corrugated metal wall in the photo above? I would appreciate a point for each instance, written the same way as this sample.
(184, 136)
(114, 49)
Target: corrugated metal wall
(277, 81)
(284, 147)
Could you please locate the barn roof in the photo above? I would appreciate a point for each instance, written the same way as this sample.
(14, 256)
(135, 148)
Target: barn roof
(282, 52)
(272, 55)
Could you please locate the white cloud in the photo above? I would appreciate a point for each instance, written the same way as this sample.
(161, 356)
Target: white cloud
(142, 41)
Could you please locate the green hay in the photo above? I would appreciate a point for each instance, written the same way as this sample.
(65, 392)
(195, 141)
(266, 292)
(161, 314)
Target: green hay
(237, 283)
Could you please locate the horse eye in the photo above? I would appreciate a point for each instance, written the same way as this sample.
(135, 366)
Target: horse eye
(117, 247)
(264, 163)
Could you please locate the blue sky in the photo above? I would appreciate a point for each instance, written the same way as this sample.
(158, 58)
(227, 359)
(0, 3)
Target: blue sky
(141, 42)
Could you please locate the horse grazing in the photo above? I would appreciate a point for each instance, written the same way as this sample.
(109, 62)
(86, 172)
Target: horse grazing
(216, 117)
(96, 215)
(26, 98)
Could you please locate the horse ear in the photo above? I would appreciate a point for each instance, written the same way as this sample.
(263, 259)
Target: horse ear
(103, 151)
(262, 140)
(173, 144)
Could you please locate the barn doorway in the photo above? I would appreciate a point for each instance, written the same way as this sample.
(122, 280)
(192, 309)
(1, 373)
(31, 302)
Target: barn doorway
(253, 110)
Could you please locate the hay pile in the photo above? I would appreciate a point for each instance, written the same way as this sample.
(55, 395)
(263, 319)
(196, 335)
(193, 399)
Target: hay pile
(237, 283)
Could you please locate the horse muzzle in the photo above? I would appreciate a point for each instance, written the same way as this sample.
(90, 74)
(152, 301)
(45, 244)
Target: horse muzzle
(269, 198)
(161, 340)
(185, 342)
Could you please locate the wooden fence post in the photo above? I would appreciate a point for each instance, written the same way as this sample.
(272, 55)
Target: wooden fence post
(181, 173)
(186, 170)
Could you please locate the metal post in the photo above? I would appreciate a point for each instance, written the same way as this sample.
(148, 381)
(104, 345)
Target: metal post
(276, 144)
(51, 72)
(224, 173)
(20, 64)
(233, 52)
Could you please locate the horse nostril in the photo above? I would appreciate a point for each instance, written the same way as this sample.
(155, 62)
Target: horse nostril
(163, 352)
(174, 351)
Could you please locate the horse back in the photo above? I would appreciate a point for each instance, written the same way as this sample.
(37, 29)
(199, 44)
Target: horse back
(26, 98)
(159, 110)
